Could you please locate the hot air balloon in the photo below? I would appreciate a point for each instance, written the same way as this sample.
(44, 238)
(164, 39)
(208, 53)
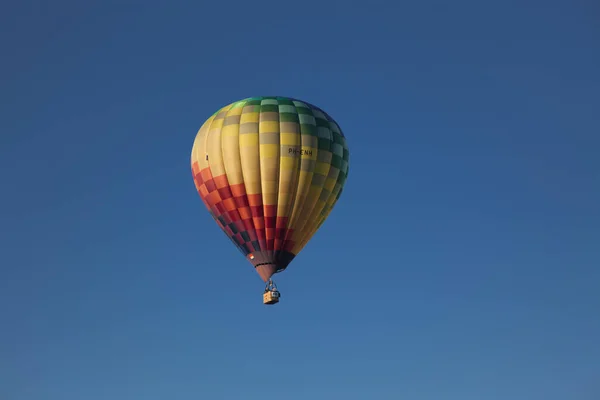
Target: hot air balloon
(270, 170)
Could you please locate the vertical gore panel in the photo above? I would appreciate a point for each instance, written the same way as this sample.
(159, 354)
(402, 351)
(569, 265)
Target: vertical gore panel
(269, 167)
(308, 156)
(289, 168)
(323, 180)
(236, 200)
(250, 159)
(321, 171)
(204, 178)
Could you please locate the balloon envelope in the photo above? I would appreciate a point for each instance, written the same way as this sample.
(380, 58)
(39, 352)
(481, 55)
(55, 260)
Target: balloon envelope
(270, 170)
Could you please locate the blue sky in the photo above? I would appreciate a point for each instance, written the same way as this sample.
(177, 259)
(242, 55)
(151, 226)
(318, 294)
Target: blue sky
(460, 263)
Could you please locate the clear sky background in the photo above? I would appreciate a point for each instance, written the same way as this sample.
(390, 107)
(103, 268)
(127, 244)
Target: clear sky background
(462, 261)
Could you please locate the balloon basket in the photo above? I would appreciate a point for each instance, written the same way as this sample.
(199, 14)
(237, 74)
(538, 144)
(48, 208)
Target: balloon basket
(271, 295)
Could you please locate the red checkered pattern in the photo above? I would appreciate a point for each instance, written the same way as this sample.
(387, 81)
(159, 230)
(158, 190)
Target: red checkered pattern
(231, 207)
